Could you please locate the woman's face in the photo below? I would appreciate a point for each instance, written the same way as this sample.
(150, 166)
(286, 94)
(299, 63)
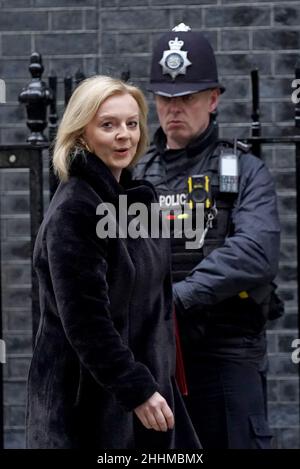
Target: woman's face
(114, 132)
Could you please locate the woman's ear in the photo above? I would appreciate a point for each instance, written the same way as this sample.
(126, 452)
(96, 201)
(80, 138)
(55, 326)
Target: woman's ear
(81, 140)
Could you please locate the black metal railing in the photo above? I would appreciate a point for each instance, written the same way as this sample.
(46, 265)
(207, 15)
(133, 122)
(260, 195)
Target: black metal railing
(30, 157)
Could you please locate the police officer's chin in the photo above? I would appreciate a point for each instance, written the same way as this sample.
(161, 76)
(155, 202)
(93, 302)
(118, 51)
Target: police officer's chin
(176, 141)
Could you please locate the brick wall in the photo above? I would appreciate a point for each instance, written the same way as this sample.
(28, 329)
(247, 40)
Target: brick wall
(107, 37)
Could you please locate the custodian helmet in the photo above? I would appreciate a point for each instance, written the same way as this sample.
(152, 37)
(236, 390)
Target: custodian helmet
(183, 62)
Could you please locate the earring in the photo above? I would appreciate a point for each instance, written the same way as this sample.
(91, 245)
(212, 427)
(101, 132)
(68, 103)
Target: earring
(83, 143)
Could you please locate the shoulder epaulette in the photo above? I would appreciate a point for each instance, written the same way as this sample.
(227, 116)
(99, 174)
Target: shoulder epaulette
(242, 146)
(245, 147)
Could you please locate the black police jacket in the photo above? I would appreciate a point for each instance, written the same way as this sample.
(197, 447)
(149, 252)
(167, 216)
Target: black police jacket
(217, 293)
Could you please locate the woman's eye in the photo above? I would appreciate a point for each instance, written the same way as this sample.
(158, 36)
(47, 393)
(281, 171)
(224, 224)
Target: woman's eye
(133, 124)
(107, 125)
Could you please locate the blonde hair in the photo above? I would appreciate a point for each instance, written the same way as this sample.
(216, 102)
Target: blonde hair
(81, 109)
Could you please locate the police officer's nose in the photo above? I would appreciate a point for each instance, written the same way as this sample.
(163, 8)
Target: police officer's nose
(174, 104)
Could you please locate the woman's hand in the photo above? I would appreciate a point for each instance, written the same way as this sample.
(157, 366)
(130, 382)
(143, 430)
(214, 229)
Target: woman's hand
(155, 414)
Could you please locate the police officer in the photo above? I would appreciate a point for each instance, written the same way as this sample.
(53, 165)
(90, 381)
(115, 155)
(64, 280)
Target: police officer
(221, 289)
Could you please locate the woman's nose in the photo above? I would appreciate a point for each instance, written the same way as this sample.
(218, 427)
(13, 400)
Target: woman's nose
(123, 132)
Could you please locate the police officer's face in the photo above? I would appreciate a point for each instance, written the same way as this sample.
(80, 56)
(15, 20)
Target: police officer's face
(184, 118)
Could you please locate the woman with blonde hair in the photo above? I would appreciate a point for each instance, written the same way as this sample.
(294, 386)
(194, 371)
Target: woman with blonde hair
(102, 372)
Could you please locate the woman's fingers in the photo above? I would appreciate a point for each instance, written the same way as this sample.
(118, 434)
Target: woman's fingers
(154, 421)
(168, 414)
(155, 413)
(143, 418)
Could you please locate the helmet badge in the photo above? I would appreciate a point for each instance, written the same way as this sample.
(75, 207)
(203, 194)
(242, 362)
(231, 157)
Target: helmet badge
(174, 61)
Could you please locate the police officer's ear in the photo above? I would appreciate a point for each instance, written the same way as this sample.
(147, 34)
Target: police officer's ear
(214, 99)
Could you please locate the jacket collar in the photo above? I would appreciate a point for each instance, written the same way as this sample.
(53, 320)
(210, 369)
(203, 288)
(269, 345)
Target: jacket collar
(94, 171)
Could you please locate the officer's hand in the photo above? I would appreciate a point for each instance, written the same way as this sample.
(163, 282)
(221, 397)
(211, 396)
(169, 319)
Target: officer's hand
(155, 413)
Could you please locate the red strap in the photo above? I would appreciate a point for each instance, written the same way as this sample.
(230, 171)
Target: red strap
(180, 371)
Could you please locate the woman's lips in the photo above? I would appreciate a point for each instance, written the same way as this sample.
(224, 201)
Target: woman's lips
(122, 151)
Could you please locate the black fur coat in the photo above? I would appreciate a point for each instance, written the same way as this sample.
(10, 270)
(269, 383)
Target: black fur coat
(105, 342)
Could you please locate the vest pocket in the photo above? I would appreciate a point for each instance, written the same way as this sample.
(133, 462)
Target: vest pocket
(260, 431)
